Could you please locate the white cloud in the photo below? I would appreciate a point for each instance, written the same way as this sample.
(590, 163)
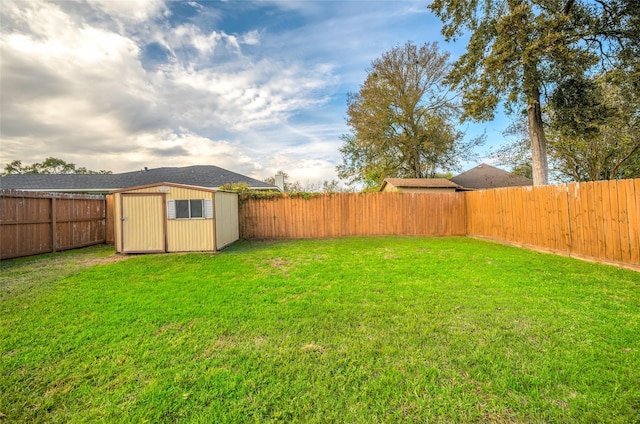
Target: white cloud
(114, 84)
(60, 96)
(183, 148)
(250, 38)
(305, 171)
(104, 101)
(190, 35)
(264, 93)
(130, 10)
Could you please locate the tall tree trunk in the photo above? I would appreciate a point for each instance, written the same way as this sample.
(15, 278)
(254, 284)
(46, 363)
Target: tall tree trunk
(538, 139)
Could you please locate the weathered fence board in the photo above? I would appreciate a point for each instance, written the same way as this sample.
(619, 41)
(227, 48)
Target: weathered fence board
(33, 223)
(354, 214)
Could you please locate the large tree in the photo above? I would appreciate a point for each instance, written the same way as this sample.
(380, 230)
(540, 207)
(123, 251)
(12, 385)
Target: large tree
(519, 49)
(594, 128)
(403, 119)
(48, 166)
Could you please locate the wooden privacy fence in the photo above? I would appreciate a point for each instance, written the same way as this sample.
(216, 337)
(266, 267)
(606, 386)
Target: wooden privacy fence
(33, 223)
(351, 214)
(594, 220)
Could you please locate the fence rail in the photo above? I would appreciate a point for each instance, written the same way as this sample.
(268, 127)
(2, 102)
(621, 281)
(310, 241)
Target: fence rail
(351, 214)
(33, 223)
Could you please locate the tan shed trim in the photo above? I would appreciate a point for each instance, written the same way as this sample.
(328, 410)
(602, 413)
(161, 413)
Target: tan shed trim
(215, 225)
(210, 190)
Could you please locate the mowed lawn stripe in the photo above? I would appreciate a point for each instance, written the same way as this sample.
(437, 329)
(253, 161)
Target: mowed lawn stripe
(378, 329)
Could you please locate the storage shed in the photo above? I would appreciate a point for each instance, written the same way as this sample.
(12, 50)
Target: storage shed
(166, 217)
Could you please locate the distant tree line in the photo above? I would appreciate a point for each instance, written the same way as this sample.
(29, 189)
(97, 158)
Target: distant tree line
(48, 166)
(291, 188)
(325, 186)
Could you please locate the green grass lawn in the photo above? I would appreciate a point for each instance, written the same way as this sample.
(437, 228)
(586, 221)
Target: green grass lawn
(386, 329)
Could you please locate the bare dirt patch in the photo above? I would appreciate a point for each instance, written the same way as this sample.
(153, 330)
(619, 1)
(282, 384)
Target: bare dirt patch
(103, 261)
(19, 275)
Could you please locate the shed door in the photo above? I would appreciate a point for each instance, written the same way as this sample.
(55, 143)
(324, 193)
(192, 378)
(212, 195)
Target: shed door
(143, 223)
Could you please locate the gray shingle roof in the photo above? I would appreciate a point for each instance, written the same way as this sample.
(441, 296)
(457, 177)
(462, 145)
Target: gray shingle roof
(200, 175)
(486, 176)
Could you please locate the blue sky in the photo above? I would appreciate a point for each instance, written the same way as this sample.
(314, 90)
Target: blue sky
(251, 86)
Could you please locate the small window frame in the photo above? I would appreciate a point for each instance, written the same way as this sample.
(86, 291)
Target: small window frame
(184, 209)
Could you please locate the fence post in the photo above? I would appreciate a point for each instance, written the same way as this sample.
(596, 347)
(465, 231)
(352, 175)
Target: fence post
(53, 224)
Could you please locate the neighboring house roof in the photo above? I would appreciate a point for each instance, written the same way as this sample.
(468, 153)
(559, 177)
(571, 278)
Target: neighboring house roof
(486, 176)
(208, 176)
(418, 183)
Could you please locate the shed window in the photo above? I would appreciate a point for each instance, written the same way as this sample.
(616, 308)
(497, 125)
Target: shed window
(193, 208)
